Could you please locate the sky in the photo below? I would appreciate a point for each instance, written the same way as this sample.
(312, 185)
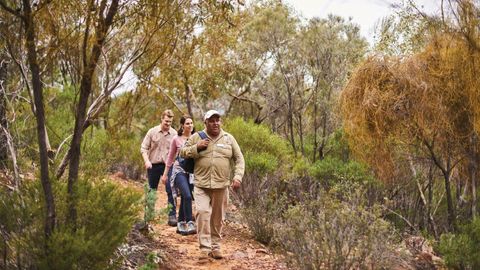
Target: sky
(366, 13)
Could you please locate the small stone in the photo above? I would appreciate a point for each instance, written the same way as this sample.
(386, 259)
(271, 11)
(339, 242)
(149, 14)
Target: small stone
(237, 255)
(261, 250)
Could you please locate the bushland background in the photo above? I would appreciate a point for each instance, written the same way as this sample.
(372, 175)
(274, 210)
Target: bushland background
(357, 156)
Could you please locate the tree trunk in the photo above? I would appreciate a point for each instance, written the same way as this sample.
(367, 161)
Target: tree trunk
(321, 147)
(433, 226)
(450, 207)
(290, 120)
(40, 117)
(101, 30)
(300, 134)
(473, 174)
(188, 101)
(315, 125)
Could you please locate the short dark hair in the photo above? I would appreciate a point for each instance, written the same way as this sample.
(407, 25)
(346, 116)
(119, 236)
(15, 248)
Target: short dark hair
(182, 122)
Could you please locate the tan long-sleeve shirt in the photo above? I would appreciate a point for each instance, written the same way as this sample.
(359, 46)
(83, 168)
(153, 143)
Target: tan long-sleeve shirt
(156, 144)
(212, 165)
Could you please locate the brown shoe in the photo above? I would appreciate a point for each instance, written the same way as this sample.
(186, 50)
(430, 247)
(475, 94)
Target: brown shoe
(216, 254)
(204, 257)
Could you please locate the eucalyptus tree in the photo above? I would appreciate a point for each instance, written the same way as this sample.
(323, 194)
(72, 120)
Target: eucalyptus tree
(89, 46)
(24, 13)
(331, 48)
(291, 72)
(271, 33)
(198, 70)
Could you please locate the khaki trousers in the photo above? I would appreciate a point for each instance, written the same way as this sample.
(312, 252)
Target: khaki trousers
(209, 204)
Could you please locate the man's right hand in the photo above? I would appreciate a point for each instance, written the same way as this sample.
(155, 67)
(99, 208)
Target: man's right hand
(148, 165)
(203, 144)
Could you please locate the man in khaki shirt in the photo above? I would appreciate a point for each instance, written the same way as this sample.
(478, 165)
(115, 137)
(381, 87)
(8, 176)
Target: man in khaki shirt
(155, 147)
(212, 171)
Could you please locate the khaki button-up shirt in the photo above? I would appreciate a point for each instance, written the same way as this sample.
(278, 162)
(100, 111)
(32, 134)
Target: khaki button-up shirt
(157, 144)
(213, 165)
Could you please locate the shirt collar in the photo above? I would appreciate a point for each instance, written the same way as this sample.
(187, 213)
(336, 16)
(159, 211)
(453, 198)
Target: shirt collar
(221, 134)
(164, 132)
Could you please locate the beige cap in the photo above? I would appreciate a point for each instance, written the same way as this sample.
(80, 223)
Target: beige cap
(210, 114)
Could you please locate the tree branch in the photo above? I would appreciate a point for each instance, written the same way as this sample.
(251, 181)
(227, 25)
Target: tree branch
(10, 10)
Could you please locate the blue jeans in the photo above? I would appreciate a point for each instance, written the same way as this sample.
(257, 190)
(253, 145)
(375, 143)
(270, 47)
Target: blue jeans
(154, 175)
(183, 184)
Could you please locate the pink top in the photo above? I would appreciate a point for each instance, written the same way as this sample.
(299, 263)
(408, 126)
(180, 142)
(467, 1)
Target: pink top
(175, 145)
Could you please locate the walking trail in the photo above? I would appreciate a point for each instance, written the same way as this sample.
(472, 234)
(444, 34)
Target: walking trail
(239, 248)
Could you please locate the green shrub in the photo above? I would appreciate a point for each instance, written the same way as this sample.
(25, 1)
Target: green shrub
(327, 233)
(95, 160)
(105, 215)
(104, 153)
(261, 163)
(255, 137)
(150, 199)
(262, 205)
(261, 217)
(462, 250)
(150, 264)
(123, 153)
(266, 155)
(332, 171)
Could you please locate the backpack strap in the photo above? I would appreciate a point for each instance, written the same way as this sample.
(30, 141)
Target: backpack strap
(202, 135)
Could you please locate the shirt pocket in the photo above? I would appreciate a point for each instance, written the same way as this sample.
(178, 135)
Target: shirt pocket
(155, 141)
(223, 150)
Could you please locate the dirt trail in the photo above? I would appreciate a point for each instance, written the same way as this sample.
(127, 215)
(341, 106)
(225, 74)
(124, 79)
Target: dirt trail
(239, 248)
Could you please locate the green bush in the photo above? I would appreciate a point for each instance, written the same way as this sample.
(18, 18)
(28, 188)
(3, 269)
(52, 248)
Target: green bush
(104, 153)
(332, 171)
(150, 264)
(149, 213)
(95, 160)
(105, 215)
(462, 250)
(258, 139)
(327, 233)
(318, 212)
(262, 205)
(262, 163)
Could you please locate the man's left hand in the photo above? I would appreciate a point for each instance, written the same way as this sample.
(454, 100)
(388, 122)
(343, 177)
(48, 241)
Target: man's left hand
(235, 184)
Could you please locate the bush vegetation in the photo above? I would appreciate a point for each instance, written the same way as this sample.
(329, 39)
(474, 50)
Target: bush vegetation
(106, 213)
(462, 250)
(320, 214)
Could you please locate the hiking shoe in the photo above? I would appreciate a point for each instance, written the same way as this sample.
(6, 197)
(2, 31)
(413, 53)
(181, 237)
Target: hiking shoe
(182, 228)
(172, 221)
(204, 257)
(216, 254)
(191, 229)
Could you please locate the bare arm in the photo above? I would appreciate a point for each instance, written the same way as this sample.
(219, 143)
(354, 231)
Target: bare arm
(170, 159)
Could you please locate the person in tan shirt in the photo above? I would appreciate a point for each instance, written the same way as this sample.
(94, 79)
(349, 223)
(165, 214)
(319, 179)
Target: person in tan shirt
(154, 149)
(212, 171)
